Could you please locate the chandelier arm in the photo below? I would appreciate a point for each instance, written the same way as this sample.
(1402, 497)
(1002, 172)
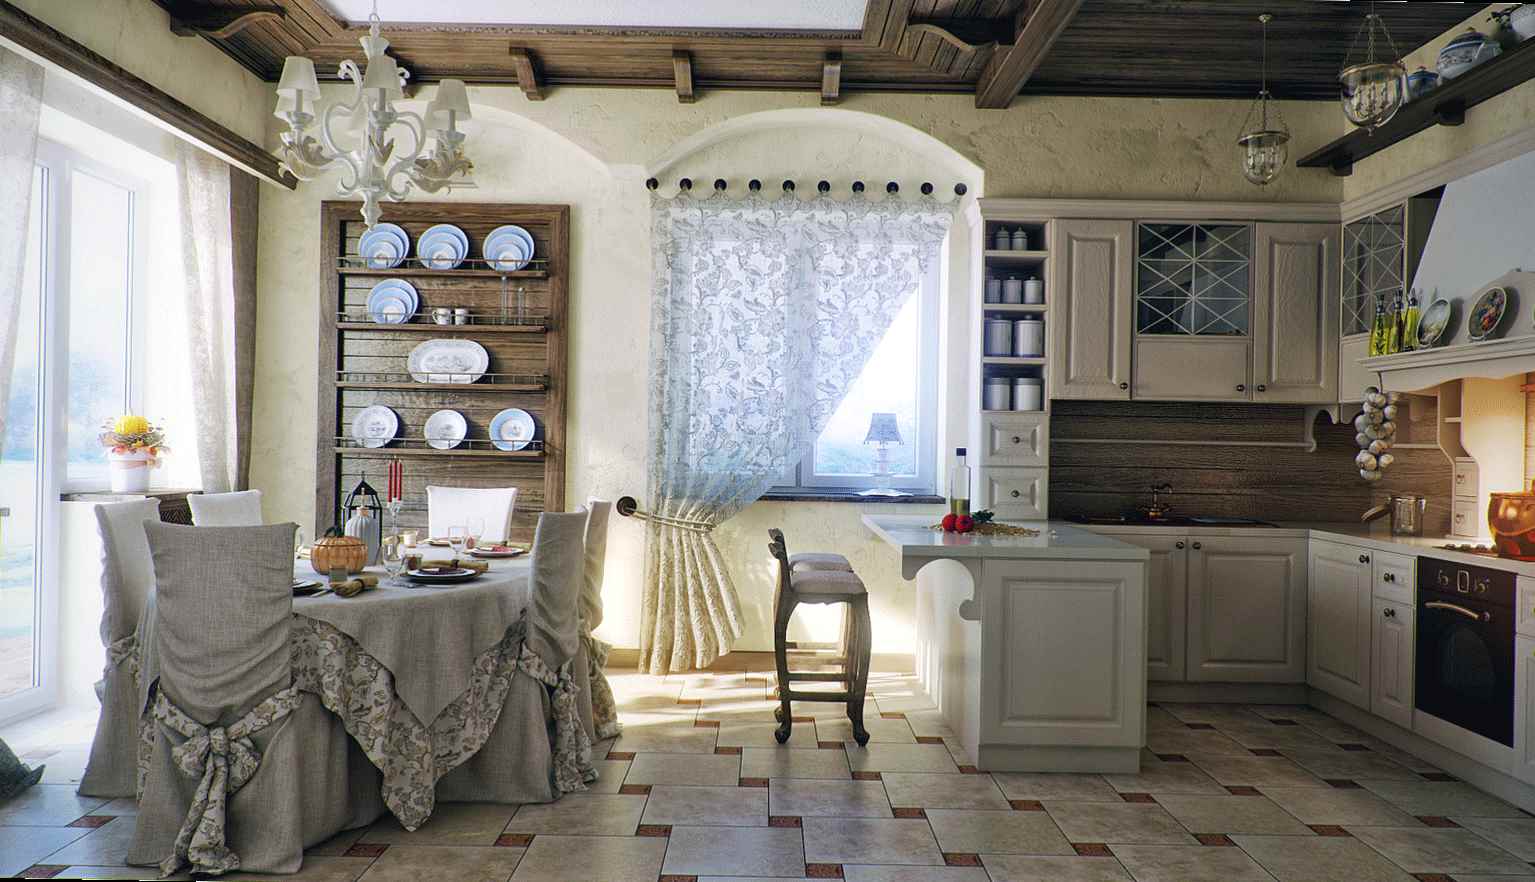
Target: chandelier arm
(407, 159)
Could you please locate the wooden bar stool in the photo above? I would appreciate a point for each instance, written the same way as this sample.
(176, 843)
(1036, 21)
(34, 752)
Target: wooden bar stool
(820, 578)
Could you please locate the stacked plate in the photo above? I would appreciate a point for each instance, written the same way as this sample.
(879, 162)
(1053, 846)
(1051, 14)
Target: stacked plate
(442, 247)
(512, 429)
(383, 246)
(393, 302)
(508, 248)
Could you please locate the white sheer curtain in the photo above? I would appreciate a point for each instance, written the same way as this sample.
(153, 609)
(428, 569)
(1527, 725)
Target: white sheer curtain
(218, 228)
(21, 89)
(763, 313)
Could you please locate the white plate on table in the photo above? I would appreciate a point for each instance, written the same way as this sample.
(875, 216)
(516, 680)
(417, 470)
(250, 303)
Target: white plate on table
(490, 553)
(375, 426)
(448, 361)
(447, 577)
(445, 430)
(512, 429)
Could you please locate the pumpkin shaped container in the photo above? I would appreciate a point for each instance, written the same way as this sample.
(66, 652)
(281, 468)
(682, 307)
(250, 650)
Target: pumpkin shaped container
(336, 550)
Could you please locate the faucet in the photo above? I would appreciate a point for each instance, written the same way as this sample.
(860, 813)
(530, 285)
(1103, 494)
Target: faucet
(1159, 509)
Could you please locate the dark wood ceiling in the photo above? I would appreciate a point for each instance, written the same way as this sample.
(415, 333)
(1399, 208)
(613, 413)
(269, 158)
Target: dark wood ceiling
(1183, 48)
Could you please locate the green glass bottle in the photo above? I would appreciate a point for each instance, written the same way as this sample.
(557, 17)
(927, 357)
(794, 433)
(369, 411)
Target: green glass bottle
(1410, 323)
(1378, 328)
(1394, 327)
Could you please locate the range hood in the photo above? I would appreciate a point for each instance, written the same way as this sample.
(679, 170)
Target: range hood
(1480, 237)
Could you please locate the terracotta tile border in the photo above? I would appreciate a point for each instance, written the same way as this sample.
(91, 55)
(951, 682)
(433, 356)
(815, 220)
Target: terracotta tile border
(970, 770)
(1026, 805)
(91, 821)
(1200, 727)
(785, 821)
(366, 849)
(41, 871)
(1438, 776)
(514, 840)
(620, 754)
(799, 719)
(828, 745)
(907, 812)
(1284, 722)
(706, 724)
(823, 871)
(1432, 877)
(1330, 830)
(1215, 840)
(961, 859)
(1437, 821)
(690, 702)
(866, 776)
(1355, 748)
(1242, 790)
(753, 782)
(1172, 758)
(675, 878)
(661, 831)
(891, 716)
(1092, 849)
(727, 751)
(1263, 751)
(1343, 783)
(929, 739)
(1138, 797)
(634, 789)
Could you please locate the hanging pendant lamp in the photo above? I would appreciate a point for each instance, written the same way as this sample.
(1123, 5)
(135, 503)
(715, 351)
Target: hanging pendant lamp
(1265, 139)
(1374, 89)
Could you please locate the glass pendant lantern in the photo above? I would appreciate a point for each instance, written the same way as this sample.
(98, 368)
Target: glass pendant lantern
(1373, 90)
(1265, 139)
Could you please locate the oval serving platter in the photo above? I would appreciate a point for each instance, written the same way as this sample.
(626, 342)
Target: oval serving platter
(448, 361)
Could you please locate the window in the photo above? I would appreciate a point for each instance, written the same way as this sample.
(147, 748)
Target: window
(901, 378)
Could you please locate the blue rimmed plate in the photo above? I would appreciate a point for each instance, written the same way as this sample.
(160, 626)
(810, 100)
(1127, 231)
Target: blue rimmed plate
(443, 246)
(383, 246)
(389, 307)
(502, 253)
(512, 429)
(403, 289)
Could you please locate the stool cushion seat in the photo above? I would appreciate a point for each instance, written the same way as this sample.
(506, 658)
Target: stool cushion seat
(817, 560)
(811, 585)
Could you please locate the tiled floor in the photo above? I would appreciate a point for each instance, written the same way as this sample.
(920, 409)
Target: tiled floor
(698, 790)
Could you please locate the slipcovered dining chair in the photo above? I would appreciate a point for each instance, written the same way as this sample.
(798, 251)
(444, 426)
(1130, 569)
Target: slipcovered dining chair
(238, 509)
(455, 506)
(127, 577)
(599, 711)
(524, 760)
(244, 771)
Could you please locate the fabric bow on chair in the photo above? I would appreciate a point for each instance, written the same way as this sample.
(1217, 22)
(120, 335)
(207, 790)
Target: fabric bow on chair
(223, 758)
(573, 768)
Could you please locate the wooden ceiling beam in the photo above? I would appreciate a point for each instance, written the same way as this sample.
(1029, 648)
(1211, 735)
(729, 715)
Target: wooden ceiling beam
(966, 34)
(527, 74)
(831, 77)
(190, 18)
(1039, 23)
(682, 73)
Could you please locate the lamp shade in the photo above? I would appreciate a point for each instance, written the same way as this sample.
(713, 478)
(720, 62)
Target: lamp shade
(298, 78)
(383, 73)
(452, 95)
(286, 104)
(882, 428)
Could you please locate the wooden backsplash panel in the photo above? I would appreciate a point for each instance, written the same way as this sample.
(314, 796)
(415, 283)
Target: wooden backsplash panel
(1105, 457)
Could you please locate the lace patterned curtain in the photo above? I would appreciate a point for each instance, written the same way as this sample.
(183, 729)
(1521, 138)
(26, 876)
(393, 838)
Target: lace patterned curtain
(763, 313)
(21, 88)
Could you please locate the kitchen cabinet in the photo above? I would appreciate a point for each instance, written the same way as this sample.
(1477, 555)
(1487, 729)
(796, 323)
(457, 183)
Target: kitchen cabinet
(1295, 300)
(1013, 439)
(1391, 636)
(1339, 619)
(1014, 494)
(1246, 609)
(1090, 315)
(1166, 602)
(1524, 709)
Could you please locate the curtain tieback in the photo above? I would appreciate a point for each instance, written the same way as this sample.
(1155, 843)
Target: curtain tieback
(680, 523)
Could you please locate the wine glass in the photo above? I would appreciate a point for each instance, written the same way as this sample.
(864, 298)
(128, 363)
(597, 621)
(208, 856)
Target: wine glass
(298, 543)
(458, 538)
(474, 528)
(392, 556)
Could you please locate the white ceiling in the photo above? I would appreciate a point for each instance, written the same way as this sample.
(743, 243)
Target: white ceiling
(776, 14)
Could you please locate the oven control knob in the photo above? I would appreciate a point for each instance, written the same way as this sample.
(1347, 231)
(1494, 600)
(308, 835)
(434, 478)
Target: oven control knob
(1444, 580)
(1481, 586)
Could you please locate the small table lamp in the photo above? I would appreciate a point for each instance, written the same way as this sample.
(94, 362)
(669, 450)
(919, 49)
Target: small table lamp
(882, 432)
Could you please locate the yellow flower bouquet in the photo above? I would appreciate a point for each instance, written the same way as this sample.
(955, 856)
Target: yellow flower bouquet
(134, 445)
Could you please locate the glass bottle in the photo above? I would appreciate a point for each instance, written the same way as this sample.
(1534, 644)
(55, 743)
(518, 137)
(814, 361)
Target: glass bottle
(1378, 328)
(1394, 327)
(959, 484)
(1410, 323)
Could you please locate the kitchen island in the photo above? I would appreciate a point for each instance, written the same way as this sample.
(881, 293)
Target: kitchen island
(1032, 647)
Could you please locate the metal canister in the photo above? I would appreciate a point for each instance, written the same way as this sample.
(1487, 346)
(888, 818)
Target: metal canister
(1028, 393)
(997, 394)
(1028, 338)
(999, 337)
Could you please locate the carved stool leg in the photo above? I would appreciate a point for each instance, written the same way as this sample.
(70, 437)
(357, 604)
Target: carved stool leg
(784, 714)
(858, 661)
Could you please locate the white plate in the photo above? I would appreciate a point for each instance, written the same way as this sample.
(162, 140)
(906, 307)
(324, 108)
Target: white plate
(512, 429)
(383, 246)
(503, 244)
(448, 361)
(439, 252)
(496, 555)
(389, 306)
(445, 429)
(375, 426)
(405, 288)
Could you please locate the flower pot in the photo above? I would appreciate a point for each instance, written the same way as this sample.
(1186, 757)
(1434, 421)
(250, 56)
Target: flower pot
(129, 470)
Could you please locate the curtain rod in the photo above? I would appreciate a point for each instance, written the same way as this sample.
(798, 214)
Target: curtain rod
(754, 185)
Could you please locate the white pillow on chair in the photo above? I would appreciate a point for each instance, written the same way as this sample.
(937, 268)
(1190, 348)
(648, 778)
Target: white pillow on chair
(239, 509)
(454, 506)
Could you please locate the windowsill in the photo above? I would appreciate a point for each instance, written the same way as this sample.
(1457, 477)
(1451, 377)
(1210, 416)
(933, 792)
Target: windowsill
(833, 494)
(85, 494)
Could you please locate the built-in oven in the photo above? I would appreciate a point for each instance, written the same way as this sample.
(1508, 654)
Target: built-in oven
(1465, 647)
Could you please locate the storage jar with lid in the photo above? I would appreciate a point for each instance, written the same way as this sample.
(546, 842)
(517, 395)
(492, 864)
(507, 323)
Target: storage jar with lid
(1511, 517)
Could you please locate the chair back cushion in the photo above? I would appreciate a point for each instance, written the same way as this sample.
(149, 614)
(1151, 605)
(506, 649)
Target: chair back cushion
(559, 558)
(597, 512)
(223, 600)
(239, 509)
(127, 573)
(453, 506)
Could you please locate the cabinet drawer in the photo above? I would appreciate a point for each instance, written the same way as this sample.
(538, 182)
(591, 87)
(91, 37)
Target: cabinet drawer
(1466, 520)
(1465, 479)
(1393, 577)
(1009, 440)
(1014, 494)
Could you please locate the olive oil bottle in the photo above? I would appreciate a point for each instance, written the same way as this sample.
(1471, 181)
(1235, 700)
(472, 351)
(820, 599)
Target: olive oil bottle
(1378, 328)
(959, 484)
(1410, 322)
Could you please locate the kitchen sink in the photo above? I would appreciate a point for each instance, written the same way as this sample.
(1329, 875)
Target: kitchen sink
(1141, 520)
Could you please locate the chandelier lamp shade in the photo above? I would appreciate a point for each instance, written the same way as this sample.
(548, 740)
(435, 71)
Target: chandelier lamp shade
(1372, 90)
(365, 138)
(1265, 139)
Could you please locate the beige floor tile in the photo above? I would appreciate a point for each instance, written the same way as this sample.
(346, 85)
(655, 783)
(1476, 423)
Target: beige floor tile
(865, 873)
(1300, 713)
(1255, 771)
(870, 841)
(828, 799)
(1021, 868)
(1117, 823)
(591, 859)
(407, 863)
(904, 704)
(1231, 814)
(707, 806)
(992, 832)
(937, 790)
(338, 844)
(326, 868)
(1189, 863)
(1446, 798)
(1351, 765)
(676, 737)
(67, 766)
(125, 806)
(1333, 730)
(451, 823)
(759, 733)
(21, 847)
(1419, 850)
(747, 851)
(1397, 755)
(1157, 777)
(755, 879)
(610, 775)
(781, 762)
(1159, 720)
(1514, 835)
(928, 723)
(1497, 877)
(46, 805)
(107, 844)
(1353, 807)
(684, 768)
(1190, 741)
(1319, 858)
(881, 730)
(581, 814)
(900, 758)
(1213, 713)
(1262, 734)
(1049, 785)
(124, 872)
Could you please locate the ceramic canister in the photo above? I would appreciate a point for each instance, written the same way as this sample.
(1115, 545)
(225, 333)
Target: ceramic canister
(993, 289)
(1012, 290)
(1002, 240)
(998, 394)
(999, 337)
(1020, 240)
(1028, 337)
(1028, 393)
(1033, 290)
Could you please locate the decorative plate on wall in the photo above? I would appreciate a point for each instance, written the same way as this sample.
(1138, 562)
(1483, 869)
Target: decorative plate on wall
(375, 426)
(445, 429)
(1487, 314)
(512, 429)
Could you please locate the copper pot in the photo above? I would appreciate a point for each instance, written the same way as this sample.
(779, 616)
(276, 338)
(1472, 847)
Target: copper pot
(1511, 517)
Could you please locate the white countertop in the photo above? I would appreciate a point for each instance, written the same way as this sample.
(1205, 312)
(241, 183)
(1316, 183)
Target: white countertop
(913, 536)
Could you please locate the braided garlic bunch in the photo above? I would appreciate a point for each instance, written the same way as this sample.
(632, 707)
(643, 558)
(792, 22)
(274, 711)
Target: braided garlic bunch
(1376, 432)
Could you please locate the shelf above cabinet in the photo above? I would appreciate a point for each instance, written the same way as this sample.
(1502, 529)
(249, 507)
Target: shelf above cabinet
(1016, 258)
(1019, 308)
(1014, 361)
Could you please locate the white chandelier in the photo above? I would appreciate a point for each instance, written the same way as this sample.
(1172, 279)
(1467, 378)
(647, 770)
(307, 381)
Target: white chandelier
(372, 167)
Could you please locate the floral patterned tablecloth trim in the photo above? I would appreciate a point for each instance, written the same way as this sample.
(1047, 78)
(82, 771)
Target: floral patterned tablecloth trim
(604, 706)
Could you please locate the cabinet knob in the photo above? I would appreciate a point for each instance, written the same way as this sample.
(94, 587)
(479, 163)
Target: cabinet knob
(1459, 518)
(1197, 546)
(1262, 388)
(1124, 386)
(1241, 387)
(1389, 613)
(1017, 494)
(1177, 544)
(1388, 577)
(1364, 558)
(1017, 439)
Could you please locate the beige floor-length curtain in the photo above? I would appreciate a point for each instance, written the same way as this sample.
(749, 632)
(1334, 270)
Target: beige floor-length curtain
(21, 88)
(218, 223)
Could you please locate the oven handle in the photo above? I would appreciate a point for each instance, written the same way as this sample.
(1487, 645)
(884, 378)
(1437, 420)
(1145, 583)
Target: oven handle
(1457, 608)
